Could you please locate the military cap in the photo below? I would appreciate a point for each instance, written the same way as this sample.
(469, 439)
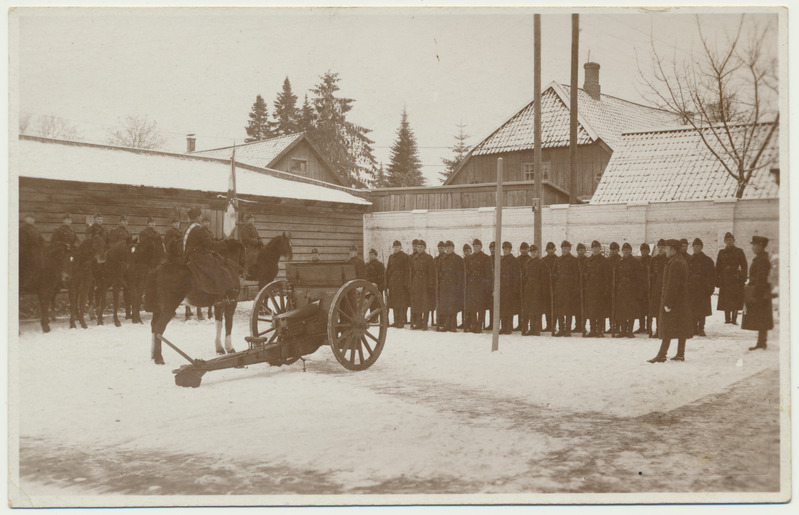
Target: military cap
(372, 251)
(423, 243)
(524, 246)
(614, 245)
(661, 242)
(759, 240)
(123, 217)
(550, 245)
(449, 243)
(174, 219)
(416, 242)
(533, 248)
(729, 236)
(645, 246)
(627, 245)
(150, 219)
(353, 248)
(697, 241)
(250, 215)
(314, 251)
(673, 243)
(98, 215)
(507, 245)
(396, 244)
(580, 246)
(66, 216)
(477, 242)
(194, 213)
(466, 246)
(684, 241)
(440, 244)
(595, 244)
(565, 244)
(492, 245)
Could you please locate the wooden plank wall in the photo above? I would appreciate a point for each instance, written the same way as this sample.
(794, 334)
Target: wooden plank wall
(316, 169)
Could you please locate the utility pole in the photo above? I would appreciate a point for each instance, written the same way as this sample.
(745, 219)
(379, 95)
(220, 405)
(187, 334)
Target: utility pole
(573, 109)
(539, 186)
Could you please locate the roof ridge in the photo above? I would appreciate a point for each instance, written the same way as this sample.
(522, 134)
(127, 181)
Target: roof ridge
(690, 128)
(622, 100)
(273, 138)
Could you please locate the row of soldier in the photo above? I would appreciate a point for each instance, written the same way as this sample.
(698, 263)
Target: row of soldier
(589, 289)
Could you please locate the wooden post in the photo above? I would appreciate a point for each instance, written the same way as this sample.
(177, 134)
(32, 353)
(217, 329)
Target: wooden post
(497, 257)
(539, 189)
(573, 109)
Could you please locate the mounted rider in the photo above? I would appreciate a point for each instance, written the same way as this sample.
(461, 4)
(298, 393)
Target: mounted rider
(207, 267)
(248, 235)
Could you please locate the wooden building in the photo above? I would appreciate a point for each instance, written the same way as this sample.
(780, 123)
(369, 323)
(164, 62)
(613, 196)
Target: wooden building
(601, 121)
(292, 153)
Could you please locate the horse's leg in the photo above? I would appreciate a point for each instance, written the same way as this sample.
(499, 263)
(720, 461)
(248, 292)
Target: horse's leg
(211, 312)
(137, 296)
(188, 313)
(229, 309)
(218, 341)
(200, 314)
(44, 313)
(156, 329)
(115, 299)
(72, 299)
(99, 302)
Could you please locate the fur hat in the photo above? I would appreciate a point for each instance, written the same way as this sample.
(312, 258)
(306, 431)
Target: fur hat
(627, 245)
(524, 246)
(759, 240)
(729, 236)
(673, 243)
(595, 243)
(645, 246)
(580, 246)
(396, 244)
(697, 241)
(477, 242)
(507, 245)
(193, 213)
(614, 245)
(550, 245)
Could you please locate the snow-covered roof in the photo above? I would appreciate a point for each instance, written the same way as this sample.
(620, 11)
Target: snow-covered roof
(676, 165)
(62, 160)
(257, 153)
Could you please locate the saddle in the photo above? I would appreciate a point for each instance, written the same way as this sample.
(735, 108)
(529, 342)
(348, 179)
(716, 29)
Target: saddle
(211, 276)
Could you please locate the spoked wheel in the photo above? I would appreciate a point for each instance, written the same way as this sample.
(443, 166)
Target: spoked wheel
(357, 323)
(271, 300)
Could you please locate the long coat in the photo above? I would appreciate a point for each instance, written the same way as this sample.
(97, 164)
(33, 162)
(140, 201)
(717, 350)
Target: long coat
(656, 268)
(423, 282)
(510, 281)
(533, 297)
(249, 237)
(479, 283)
(523, 259)
(398, 276)
(646, 294)
(118, 234)
(360, 267)
(627, 295)
(677, 322)
(758, 315)
(451, 275)
(97, 230)
(546, 279)
(596, 285)
(207, 267)
(730, 278)
(566, 286)
(376, 273)
(701, 284)
(64, 234)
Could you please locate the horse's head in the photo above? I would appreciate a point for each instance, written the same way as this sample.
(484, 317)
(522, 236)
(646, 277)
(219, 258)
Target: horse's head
(59, 260)
(284, 245)
(98, 249)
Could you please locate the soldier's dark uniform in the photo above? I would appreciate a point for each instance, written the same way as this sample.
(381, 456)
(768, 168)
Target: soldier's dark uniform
(249, 237)
(398, 276)
(758, 315)
(731, 268)
(437, 261)
(478, 288)
(423, 288)
(580, 318)
(31, 245)
(119, 234)
(64, 234)
(674, 320)
(149, 236)
(211, 276)
(533, 302)
(523, 259)
(701, 285)
(510, 280)
(629, 276)
(644, 323)
(360, 266)
(596, 285)
(466, 322)
(613, 262)
(656, 268)
(173, 242)
(375, 271)
(96, 229)
(492, 255)
(566, 289)
(451, 277)
(546, 287)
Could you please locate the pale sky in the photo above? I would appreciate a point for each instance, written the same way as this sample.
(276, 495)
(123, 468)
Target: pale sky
(199, 70)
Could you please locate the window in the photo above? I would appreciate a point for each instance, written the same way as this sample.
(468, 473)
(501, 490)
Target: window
(528, 173)
(598, 176)
(299, 166)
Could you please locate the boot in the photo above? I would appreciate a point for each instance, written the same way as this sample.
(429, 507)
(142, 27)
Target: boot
(548, 323)
(680, 356)
(727, 317)
(664, 349)
(700, 327)
(617, 330)
(761, 341)
(629, 329)
(734, 318)
(641, 326)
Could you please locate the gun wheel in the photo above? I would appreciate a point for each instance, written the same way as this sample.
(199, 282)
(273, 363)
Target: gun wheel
(357, 324)
(272, 300)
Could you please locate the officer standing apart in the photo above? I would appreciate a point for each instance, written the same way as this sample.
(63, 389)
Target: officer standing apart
(398, 275)
(675, 313)
(702, 284)
(758, 315)
(731, 270)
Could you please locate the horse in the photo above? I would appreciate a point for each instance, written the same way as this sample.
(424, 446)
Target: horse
(233, 251)
(145, 256)
(266, 267)
(113, 273)
(84, 263)
(172, 282)
(41, 273)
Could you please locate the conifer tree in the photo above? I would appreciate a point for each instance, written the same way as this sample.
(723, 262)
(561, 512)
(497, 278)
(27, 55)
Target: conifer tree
(285, 111)
(405, 168)
(258, 126)
(306, 117)
(460, 149)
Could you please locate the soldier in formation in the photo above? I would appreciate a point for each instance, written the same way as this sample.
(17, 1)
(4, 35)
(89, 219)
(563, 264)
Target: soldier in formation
(626, 294)
(645, 320)
(565, 289)
(423, 286)
(120, 233)
(479, 284)
(451, 274)
(510, 281)
(596, 284)
(355, 259)
(731, 269)
(249, 237)
(375, 271)
(398, 278)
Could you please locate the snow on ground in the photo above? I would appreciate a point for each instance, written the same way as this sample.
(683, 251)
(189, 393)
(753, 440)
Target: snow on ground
(98, 389)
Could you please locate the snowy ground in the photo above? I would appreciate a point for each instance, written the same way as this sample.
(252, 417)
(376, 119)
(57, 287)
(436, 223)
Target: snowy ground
(437, 414)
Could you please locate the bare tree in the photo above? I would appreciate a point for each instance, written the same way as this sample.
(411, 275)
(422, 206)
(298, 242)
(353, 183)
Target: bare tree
(727, 94)
(49, 126)
(136, 132)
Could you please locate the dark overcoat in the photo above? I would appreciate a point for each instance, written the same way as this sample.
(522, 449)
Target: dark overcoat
(758, 314)
(646, 263)
(701, 284)
(31, 245)
(97, 230)
(398, 276)
(479, 278)
(249, 237)
(523, 259)
(64, 234)
(677, 322)
(656, 268)
(566, 286)
(546, 279)
(451, 276)
(627, 295)
(118, 234)
(360, 267)
(533, 298)
(510, 281)
(596, 284)
(730, 278)
(376, 273)
(423, 282)
(207, 266)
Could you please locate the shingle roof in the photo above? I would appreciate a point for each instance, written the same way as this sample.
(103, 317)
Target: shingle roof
(258, 153)
(675, 164)
(604, 119)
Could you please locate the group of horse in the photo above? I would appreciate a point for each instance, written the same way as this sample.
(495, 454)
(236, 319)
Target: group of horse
(149, 275)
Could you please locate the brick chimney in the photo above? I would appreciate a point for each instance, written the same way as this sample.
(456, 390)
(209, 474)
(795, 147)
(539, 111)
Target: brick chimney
(591, 85)
(191, 141)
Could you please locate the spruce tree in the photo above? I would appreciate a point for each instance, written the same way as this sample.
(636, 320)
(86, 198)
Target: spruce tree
(306, 117)
(460, 149)
(258, 126)
(405, 168)
(285, 111)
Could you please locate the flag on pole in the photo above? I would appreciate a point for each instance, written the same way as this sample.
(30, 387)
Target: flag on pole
(229, 223)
